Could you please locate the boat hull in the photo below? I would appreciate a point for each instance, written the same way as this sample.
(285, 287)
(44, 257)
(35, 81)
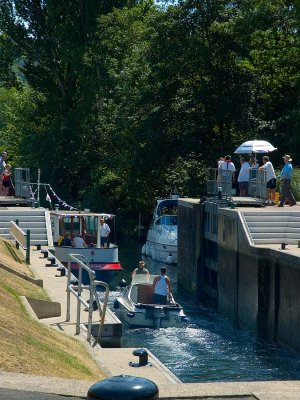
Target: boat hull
(161, 242)
(161, 251)
(104, 261)
(152, 316)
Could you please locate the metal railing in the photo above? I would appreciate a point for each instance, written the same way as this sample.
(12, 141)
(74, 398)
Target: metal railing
(257, 183)
(222, 178)
(93, 296)
(219, 178)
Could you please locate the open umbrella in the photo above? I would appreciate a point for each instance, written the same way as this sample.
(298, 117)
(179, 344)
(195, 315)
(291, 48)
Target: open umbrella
(255, 146)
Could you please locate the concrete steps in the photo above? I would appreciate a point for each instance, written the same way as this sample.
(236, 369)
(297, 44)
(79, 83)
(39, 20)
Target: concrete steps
(273, 227)
(28, 218)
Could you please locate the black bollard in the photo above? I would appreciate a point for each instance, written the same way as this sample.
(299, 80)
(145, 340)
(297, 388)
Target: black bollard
(38, 246)
(62, 271)
(143, 356)
(283, 246)
(52, 260)
(45, 253)
(123, 387)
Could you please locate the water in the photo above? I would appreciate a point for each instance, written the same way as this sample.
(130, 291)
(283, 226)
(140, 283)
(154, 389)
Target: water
(210, 348)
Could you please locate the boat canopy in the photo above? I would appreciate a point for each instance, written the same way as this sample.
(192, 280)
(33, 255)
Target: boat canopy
(167, 203)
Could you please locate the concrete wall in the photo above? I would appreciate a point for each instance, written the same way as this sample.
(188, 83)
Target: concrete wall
(258, 288)
(189, 245)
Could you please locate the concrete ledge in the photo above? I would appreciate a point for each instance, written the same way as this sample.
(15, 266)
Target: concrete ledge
(39, 309)
(37, 282)
(272, 390)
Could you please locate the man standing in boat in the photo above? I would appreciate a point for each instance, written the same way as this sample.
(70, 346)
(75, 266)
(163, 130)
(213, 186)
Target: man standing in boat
(162, 287)
(104, 233)
(141, 270)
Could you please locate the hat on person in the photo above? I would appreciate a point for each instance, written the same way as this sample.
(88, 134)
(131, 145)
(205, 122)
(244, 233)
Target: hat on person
(142, 263)
(287, 157)
(4, 153)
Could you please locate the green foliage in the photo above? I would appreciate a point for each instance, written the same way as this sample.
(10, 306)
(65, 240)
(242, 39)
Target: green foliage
(119, 101)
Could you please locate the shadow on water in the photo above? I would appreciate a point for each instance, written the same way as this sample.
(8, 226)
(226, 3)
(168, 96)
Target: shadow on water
(210, 348)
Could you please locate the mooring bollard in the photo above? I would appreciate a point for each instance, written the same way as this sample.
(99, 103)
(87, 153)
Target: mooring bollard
(298, 243)
(123, 387)
(143, 356)
(283, 246)
(45, 253)
(38, 246)
(62, 271)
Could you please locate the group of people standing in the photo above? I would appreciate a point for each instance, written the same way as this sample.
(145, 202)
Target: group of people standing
(244, 177)
(5, 174)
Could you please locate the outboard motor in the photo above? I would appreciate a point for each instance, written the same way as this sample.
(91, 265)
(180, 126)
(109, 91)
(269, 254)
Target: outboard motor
(158, 314)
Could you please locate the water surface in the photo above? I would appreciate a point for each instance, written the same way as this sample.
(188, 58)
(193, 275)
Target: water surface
(210, 348)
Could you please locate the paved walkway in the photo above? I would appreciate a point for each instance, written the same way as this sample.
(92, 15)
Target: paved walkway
(116, 362)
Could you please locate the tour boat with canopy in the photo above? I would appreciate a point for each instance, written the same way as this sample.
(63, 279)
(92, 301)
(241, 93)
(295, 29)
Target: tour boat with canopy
(103, 260)
(161, 242)
(137, 308)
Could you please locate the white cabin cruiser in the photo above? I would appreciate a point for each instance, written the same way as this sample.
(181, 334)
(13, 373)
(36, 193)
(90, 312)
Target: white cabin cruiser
(103, 260)
(137, 309)
(161, 242)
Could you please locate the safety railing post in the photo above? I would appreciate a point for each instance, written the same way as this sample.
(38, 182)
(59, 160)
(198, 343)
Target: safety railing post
(78, 299)
(68, 317)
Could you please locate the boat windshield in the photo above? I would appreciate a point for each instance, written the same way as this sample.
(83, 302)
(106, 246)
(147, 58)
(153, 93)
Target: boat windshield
(143, 278)
(166, 220)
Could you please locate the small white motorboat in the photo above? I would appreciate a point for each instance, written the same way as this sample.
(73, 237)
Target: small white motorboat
(137, 309)
(161, 242)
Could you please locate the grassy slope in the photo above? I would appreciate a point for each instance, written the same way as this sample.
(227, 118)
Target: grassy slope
(28, 346)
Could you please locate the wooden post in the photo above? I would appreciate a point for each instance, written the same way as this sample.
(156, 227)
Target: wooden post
(28, 247)
(17, 243)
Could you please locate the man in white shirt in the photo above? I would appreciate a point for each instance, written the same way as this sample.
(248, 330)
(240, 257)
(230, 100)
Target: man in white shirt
(104, 233)
(243, 178)
(271, 180)
(162, 288)
(223, 177)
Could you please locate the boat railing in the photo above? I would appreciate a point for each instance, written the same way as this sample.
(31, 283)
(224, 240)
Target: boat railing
(93, 296)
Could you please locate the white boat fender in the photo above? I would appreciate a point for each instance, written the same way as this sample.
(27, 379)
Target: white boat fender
(144, 249)
(170, 259)
(147, 249)
(116, 304)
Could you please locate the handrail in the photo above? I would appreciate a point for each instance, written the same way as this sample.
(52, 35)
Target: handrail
(22, 238)
(84, 264)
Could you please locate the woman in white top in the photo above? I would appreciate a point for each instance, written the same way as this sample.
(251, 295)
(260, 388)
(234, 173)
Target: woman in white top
(271, 180)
